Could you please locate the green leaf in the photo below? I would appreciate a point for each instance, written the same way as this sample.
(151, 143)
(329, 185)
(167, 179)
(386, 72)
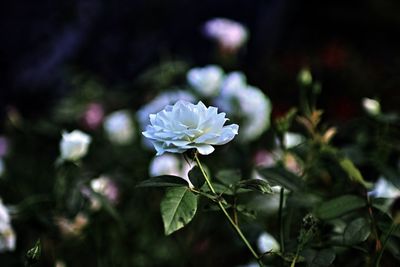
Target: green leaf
(290, 257)
(243, 209)
(196, 177)
(353, 173)
(258, 185)
(33, 255)
(163, 181)
(382, 204)
(338, 206)
(221, 189)
(229, 177)
(357, 231)
(319, 258)
(178, 208)
(282, 177)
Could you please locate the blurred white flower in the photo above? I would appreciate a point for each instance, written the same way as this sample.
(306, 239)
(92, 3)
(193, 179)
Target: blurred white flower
(247, 103)
(291, 140)
(74, 145)
(7, 234)
(256, 108)
(267, 242)
(206, 81)
(230, 35)
(168, 164)
(106, 187)
(371, 106)
(119, 127)
(186, 126)
(384, 189)
(4, 215)
(234, 81)
(158, 104)
(8, 238)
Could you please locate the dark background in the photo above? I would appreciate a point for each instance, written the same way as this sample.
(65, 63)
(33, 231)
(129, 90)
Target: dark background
(352, 47)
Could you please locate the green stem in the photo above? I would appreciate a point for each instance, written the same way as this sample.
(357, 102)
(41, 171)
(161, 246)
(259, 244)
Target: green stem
(393, 227)
(221, 206)
(280, 215)
(378, 244)
(293, 264)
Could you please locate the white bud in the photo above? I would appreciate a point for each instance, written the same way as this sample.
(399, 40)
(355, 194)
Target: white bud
(74, 145)
(371, 106)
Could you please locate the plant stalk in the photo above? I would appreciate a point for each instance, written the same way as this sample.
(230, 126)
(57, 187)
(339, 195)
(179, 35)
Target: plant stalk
(221, 206)
(393, 227)
(280, 215)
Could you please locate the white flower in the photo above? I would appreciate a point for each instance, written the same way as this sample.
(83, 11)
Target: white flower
(256, 108)
(371, 106)
(119, 127)
(168, 164)
(267, 242)
(206, 81)
(291, 140)
(4, 215)
(186, 126)
(7, 234)
(234, 81)
(74, 145)
(158, 104)
(229, 34)
(246, 102)
(106, 187)
(384, 189)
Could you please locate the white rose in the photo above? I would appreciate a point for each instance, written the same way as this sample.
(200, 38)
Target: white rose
(384, 189)
(74, 145)
(234, 81)
(168, 164)
(246, 102)
(4, 216)
(256, 109)
(371, 106)
(206, 81)
(267, 242)
(7, 238)
(106, 187)
(158, 104)
(186, 126)
(7, 234)
(119, 127)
